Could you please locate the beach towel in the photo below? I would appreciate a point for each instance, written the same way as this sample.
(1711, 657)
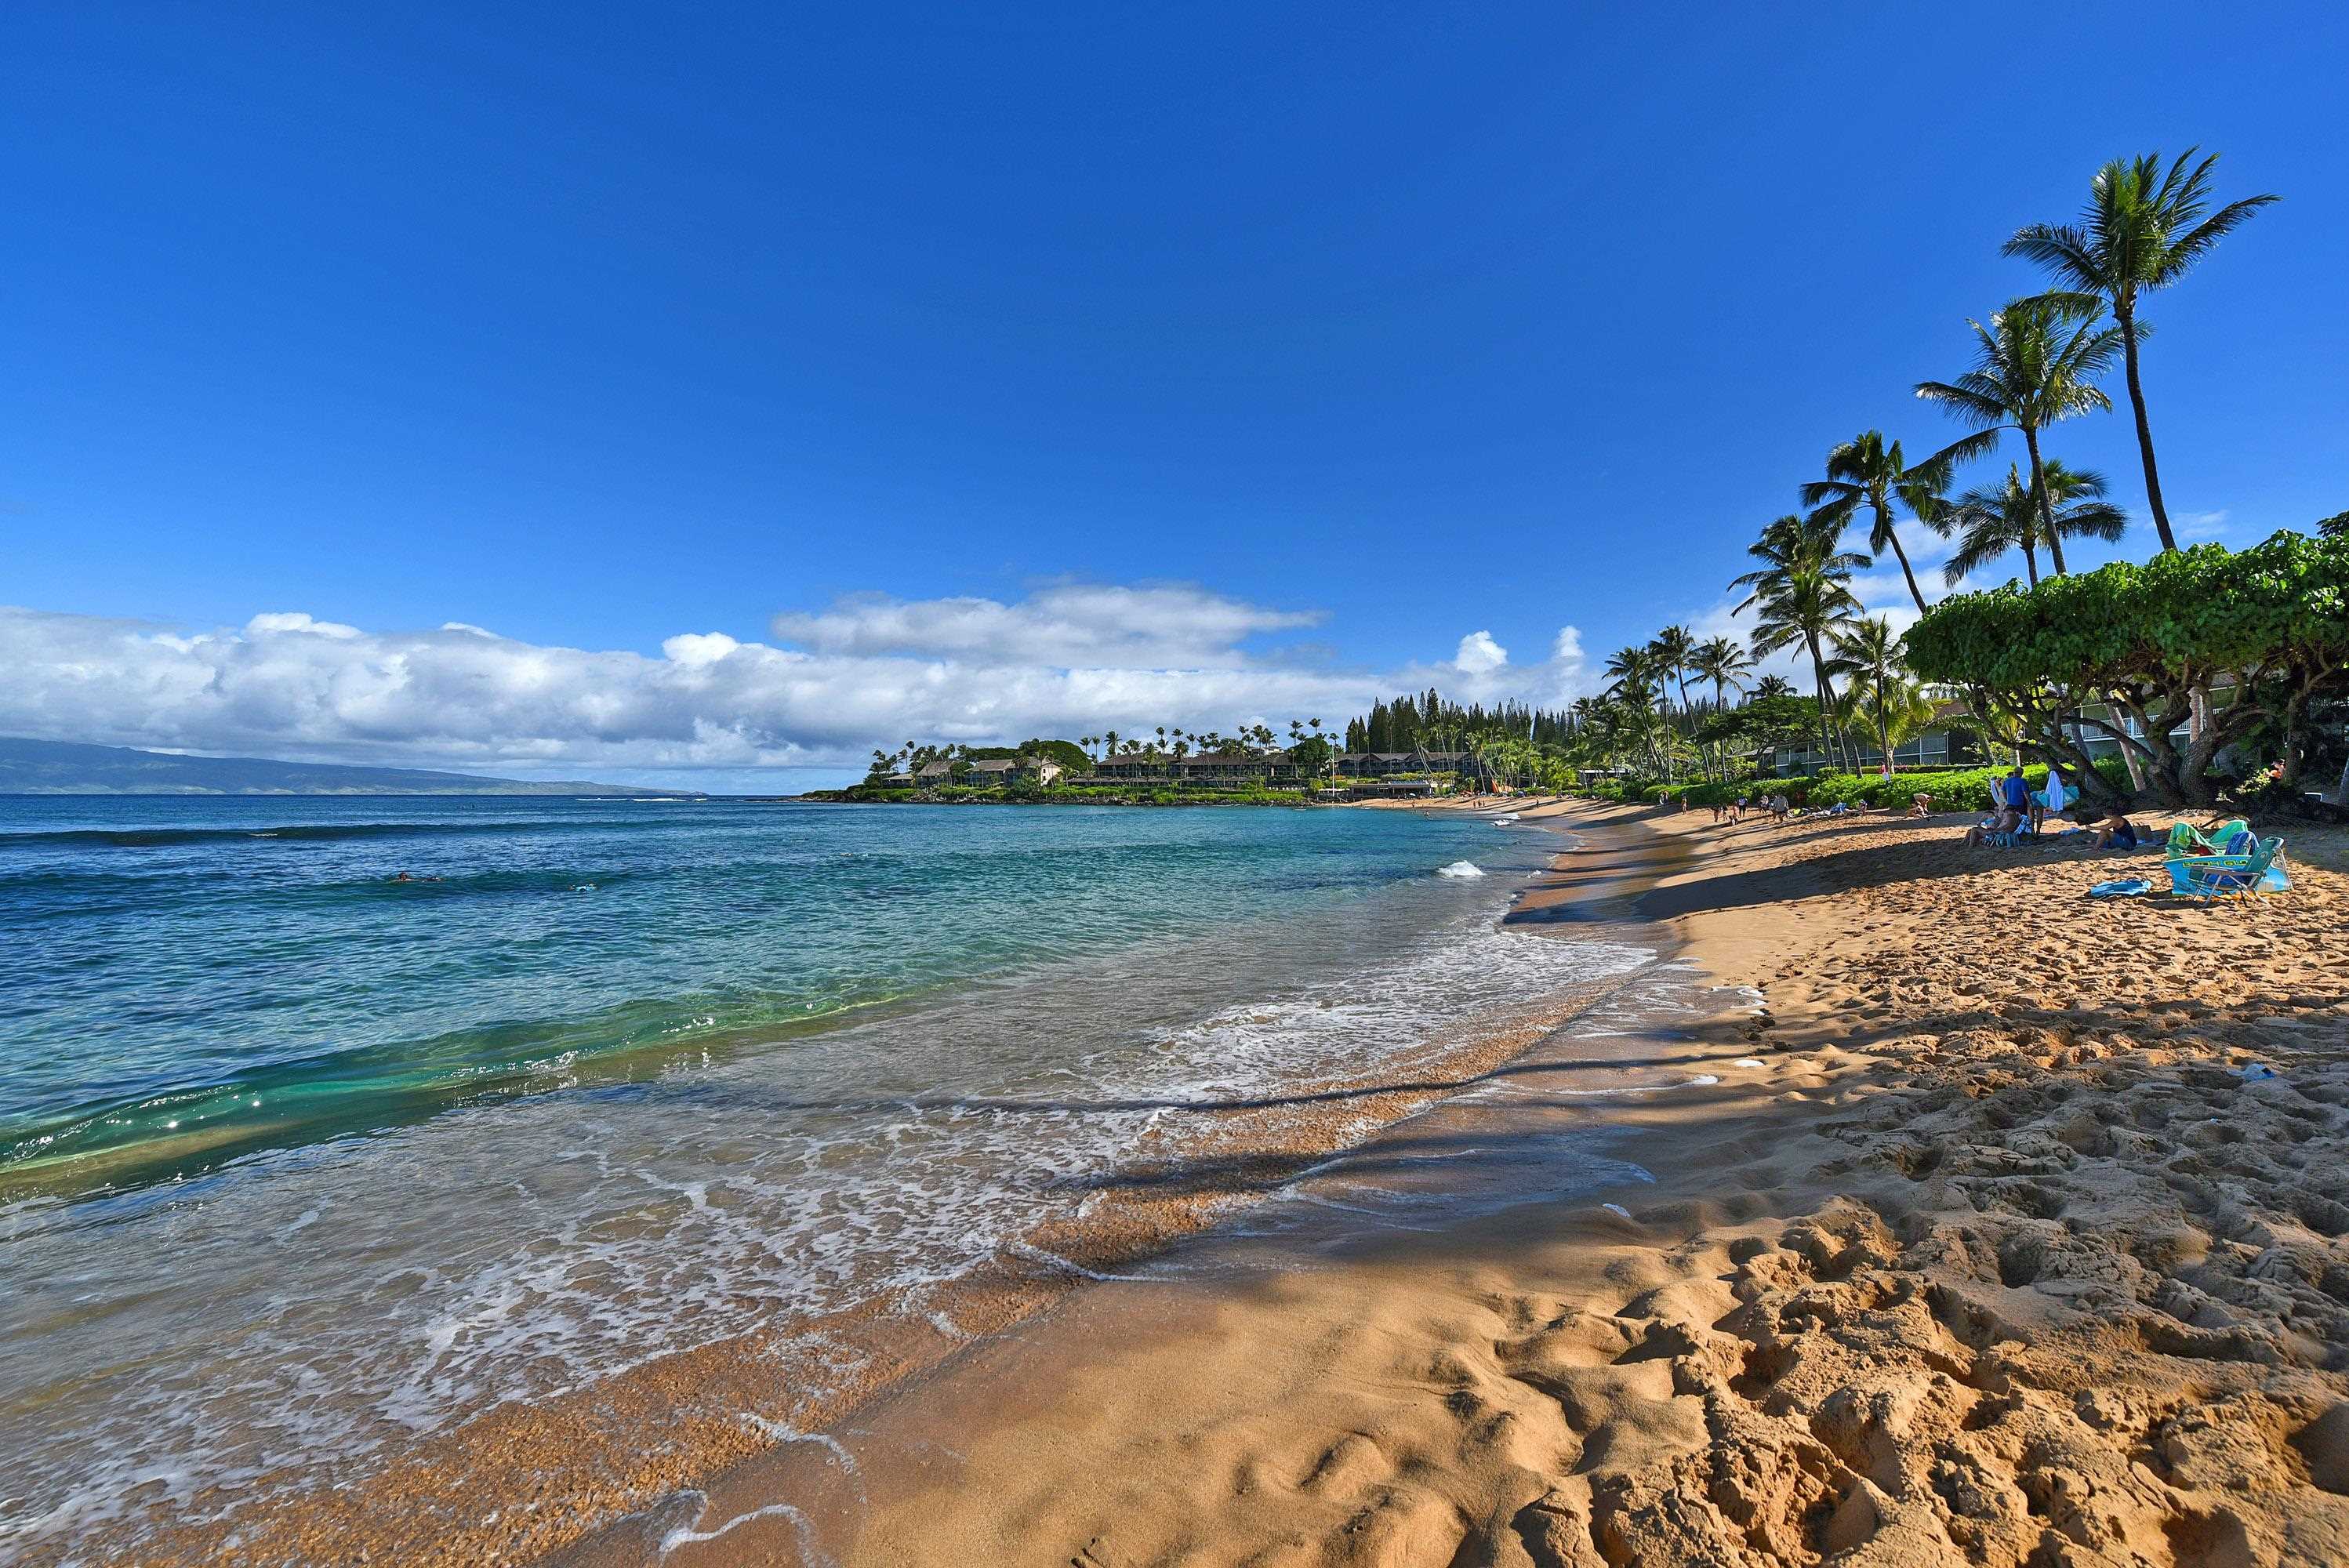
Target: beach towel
(2121, 887)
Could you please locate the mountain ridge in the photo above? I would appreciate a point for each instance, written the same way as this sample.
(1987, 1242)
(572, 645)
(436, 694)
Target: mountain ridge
(71, 767)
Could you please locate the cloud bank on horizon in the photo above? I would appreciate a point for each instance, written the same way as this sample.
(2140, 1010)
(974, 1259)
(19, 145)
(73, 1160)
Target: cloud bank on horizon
(870, 671)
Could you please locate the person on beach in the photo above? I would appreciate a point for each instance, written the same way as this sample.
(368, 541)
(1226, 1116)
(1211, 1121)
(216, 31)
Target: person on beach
(2014, 794)
(1780, 808)
(1920, 804)
(2007, 821)
(2050, 801)
(2117, 832)
(1739, 815)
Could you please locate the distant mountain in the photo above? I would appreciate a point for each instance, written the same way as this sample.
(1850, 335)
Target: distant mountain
(60, 767)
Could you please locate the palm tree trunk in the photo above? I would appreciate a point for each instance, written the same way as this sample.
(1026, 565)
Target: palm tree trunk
(2031, 562)
(2126, 314)
(1902, 556)
(1826, 702)
(2046, 501)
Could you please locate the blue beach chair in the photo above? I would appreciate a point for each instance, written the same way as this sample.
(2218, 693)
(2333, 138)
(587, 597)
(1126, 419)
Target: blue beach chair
(2242, 864)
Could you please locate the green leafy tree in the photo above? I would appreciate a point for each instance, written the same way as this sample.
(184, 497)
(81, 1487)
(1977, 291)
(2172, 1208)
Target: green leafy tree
(2244, 640)
(2036, 364)
(2143, 228)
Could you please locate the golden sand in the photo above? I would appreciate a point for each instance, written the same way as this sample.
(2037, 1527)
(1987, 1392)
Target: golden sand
(1984, 1250)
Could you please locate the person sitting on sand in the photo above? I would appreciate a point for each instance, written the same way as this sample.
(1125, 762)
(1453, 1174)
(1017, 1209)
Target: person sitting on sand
(1920, 804)
(2008, 820)
(2117, 832)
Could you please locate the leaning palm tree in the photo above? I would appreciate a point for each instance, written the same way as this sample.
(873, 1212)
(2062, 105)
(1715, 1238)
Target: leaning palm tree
(1867, 472)
(2037, 363)
(1991, 519)
(2142, 229)
(1801, 591)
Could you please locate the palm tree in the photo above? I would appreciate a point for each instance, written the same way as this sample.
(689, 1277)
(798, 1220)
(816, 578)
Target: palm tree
(1772, 686)
(1674, 647)
(2038, 361)
(1720, 661)
(2142, 229)
(1867, 652)
(1800, 589)
(1991, 519)
(1865, 470)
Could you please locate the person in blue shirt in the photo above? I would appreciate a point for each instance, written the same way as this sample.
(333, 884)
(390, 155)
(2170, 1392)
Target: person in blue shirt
(2014, 794)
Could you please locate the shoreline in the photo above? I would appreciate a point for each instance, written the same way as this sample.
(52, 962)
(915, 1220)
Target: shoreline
(1954, 1261)
(518, 1481)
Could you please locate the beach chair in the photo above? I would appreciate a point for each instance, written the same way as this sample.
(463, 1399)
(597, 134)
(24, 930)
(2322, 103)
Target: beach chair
(2246, 865)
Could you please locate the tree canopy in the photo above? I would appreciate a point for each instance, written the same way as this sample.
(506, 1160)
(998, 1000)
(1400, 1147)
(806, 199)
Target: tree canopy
(2213, 642)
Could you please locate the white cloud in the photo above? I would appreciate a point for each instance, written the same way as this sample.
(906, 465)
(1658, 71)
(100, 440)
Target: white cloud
(1065, 624)
(2200, 525)
(1479, 654)
(870, 671)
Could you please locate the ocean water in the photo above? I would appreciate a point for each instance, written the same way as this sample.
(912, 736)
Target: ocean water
(299, 1162)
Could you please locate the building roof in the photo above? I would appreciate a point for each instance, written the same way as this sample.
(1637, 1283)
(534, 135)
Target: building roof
(937, 769)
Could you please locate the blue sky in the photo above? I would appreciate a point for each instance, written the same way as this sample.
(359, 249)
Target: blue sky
(600, 327)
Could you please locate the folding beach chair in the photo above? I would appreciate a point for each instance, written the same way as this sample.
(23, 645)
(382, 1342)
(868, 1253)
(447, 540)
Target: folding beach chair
(2252, 867)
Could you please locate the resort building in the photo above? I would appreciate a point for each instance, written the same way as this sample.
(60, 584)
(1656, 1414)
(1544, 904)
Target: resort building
(1230, 769)
(1387, 764)
(931, 775)
(994, 771)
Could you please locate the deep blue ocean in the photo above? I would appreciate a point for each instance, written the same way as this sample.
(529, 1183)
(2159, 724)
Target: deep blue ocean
(298, 1158)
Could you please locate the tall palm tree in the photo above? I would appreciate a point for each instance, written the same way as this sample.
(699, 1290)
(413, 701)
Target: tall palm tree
(2037, 363)
(1991, 519)
(1867, 470)
(2142, 229)
(1801, 591)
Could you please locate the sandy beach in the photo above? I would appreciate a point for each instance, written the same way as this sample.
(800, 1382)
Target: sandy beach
(2009, 1229)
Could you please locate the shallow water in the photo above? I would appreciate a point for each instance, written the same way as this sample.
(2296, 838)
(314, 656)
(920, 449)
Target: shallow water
(300, 1161)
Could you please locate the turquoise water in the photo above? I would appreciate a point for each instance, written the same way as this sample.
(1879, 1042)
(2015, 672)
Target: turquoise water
(297, 1160)
(196, 979)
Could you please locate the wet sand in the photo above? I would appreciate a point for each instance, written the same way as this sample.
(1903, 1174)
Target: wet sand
(2011, 1231)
